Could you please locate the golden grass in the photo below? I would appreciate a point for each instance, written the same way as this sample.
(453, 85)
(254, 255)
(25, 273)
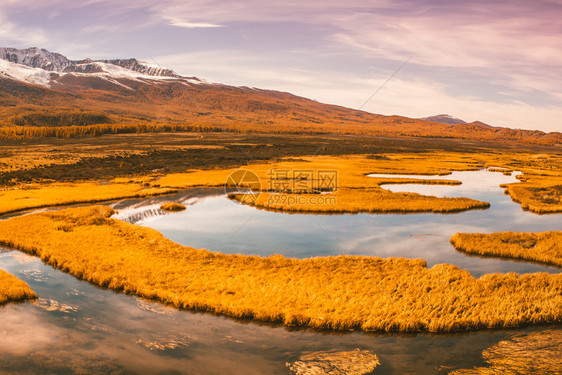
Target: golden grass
(538, 191)
(504, 171)
(340, 292)
(374, 200)
(37, 195)
(197, 178)
(540, 186)
(543, 247)
(356, 192)
(33, 158)
(532, 353)
(13, 289)
(172, 206)
(352, 170)
(538, 194)
(501, 170)
(353, 362)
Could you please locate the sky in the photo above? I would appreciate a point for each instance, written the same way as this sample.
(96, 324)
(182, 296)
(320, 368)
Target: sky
(499, 62)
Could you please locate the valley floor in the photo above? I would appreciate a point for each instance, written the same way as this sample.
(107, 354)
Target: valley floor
(338, 292)
(51, 172)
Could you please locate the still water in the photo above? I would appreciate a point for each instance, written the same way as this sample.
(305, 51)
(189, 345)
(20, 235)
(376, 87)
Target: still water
(214, 222)
(76, 327)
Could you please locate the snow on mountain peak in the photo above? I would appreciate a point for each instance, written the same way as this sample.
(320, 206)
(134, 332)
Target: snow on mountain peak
(22, 64)
(36, 58)
(36, 76)
(113, 70)
(143, 67)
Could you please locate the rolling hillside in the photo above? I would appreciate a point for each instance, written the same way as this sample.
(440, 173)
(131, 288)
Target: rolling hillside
(38, 95)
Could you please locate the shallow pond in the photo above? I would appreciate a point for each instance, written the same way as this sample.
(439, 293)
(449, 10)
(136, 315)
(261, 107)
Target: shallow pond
(77, 327)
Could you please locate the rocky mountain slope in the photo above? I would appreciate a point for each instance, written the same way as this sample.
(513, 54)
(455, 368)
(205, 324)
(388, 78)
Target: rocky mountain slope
(55, 62)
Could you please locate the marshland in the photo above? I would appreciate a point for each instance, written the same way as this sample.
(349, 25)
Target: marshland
(319, 188)
(278, 285)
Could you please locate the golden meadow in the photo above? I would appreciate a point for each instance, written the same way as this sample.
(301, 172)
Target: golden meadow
(537, 191)
(341, 292)
(543, 247)
(365, 293)
(358, 193)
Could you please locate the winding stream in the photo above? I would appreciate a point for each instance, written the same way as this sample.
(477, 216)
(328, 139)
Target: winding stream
(76, 326)
(214, 222)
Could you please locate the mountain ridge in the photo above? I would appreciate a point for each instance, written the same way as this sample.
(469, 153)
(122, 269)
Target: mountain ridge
(125, 93)
(35, 58)
(450, 120)
(41, 58)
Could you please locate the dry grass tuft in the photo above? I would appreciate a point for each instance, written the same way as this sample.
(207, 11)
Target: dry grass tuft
(37, 195)
(340, 292)
(532, 353)
(172, 206)
(501, 170)
(541, 195)
(13, 289)
(544, 247)
(353, 362)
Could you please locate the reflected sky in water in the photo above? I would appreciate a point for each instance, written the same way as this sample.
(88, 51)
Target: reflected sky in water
(78, 327)
(214, 222)
(113, 333)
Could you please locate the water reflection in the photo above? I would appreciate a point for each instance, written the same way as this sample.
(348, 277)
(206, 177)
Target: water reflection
(475, 184)
(134, 211)
(76, 327)
(113, 333)
(214, 222)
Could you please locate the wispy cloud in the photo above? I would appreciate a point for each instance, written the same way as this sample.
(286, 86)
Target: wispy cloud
(513, 42)
(174, 21)
(413, 97)
(192, 25)
(498, 61)
(11, 33)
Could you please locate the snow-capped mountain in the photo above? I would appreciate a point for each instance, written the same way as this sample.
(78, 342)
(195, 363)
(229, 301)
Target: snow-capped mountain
(142, 67)
(41, 88)
(36, 58)
(35, 76)
(41, 67)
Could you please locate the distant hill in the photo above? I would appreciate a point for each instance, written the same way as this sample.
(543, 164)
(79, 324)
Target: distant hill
(44, 90)
(444, 119)
(480, 123)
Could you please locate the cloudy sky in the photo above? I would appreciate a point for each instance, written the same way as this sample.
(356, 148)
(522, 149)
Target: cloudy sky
(495, 61)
